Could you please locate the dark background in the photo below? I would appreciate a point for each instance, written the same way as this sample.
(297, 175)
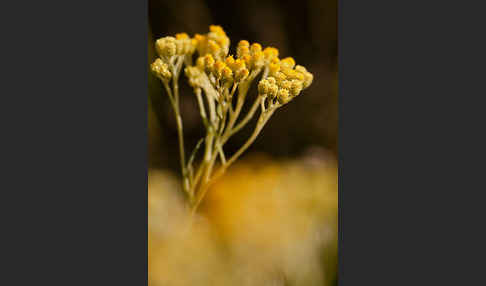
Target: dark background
(305, 30)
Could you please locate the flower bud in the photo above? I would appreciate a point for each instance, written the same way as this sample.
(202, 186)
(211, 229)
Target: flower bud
(283, 96)
(208, 62)
(263, 86)
(258, 59)
(272, 90)
(160, 69)
(308, 78)
(200, 63)
(166, 47)
(241, 74)
(243, 43)
(218, 68)
(241, 51)
(270, 53)
(227, 73)
(230, 61)
(255, 48)
(287, 62)
(271, 80)
(285, 84)
(296, 87)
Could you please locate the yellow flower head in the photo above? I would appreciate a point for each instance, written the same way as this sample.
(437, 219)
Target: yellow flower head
(279, 76)
(215, 42)
(201, 63)
(243, 43)
(166, 47)
(230, 61)
(258, 59)
(242, 51)
(241, 74)
(272, 90)
(270, 53)
(179, 47)
(286, 84)
(214, 48)
(217, 29)
(238, 64)
(255, 47)
(283, 96)
(247, 59)
(292, 74)
(218, 68)
(271, 80)
(194, 76)
(296, 87)
(161, 69)
(189, 46)
(287, 62)
(274, 66)
(180, 36)
(208, 62)
(263, 86)
(227, 73)
(307, 76)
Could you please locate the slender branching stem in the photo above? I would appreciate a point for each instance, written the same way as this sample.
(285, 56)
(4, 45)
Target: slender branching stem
(262, 120)
(175, 101)
(202, 109)
(243, 122)
(242, 90)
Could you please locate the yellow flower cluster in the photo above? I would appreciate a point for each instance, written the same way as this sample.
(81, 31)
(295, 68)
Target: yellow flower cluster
(161, 69)
(168, 47)
(194, 75)
(215, 43)
(228, 70)
(286, 80)
(213, 50)
(253, 56)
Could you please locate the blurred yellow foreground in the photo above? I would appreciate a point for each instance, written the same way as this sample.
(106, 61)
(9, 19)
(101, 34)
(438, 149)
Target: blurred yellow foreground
(263, 223)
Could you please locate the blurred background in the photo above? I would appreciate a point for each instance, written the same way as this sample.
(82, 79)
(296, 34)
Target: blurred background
(272, 219)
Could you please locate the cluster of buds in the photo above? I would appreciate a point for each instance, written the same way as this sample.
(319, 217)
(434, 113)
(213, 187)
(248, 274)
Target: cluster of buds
(161, 70)
(286, 79)
(215, 43)
(180, 45)
(219, 77)
(171, 51)
(228, 71)
(213, 58)
(253, 56)
(282, 81)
